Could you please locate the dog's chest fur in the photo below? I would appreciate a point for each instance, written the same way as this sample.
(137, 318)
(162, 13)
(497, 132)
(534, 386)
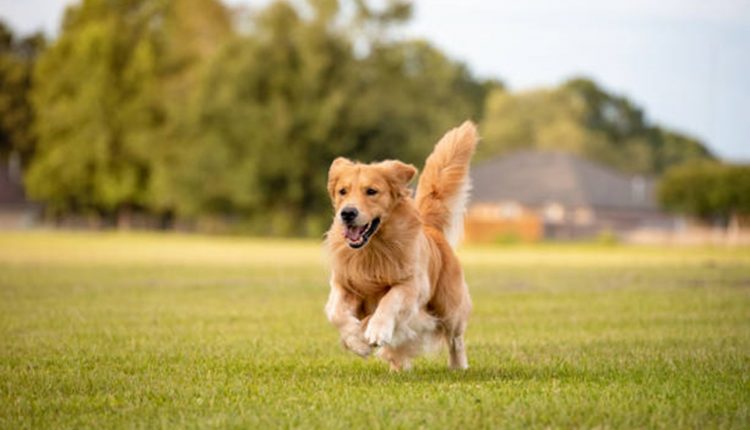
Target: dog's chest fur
(372, 271)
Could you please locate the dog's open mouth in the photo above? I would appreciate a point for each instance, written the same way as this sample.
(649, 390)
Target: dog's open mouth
(358, 235)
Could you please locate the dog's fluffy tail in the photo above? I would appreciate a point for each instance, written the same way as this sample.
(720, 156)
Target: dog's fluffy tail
(444, 185)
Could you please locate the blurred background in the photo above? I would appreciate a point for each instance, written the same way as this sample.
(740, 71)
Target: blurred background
(609, 121)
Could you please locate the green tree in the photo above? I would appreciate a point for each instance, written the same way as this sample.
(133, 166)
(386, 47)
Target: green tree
(582, 118)
(17, 57)
(263, 118)
(104, 93)
(406, 94)
(279, 103)
(194, 32)
(707, 190)
(97, 107)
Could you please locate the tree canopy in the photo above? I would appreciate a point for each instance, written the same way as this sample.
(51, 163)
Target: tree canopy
(581, 117)
(708, 190)
(103, 95)
(17, 56)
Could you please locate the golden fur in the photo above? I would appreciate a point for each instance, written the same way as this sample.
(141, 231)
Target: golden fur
(404, 287)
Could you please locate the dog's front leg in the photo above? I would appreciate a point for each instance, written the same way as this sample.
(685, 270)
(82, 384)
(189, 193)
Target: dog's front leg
(341, 309)
(401, 303)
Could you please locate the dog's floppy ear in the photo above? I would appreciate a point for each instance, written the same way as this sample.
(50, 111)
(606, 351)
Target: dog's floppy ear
(399, 174)
(333, 173)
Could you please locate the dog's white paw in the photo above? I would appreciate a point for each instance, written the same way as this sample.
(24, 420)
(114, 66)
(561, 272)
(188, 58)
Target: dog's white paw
(357, 345)
(379, 332)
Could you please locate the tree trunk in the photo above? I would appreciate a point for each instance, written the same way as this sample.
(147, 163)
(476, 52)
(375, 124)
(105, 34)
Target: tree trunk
(733, 229)
(125, 218)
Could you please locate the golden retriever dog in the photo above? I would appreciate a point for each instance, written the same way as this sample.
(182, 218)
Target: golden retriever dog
(396, 284)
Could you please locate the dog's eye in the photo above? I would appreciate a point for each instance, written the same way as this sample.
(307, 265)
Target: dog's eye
(371, 191)
(342, 192)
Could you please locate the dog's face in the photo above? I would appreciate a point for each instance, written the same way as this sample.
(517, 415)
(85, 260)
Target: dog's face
(363, 195)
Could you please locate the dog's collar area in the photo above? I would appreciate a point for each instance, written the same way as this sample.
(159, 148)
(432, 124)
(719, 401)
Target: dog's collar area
(357, 237)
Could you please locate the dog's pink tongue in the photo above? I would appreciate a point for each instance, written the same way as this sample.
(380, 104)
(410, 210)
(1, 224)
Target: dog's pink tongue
(354, 233)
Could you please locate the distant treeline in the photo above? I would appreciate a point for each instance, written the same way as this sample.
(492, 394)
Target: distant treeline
(187, 110)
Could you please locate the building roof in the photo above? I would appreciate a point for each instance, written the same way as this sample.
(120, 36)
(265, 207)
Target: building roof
(536, 178)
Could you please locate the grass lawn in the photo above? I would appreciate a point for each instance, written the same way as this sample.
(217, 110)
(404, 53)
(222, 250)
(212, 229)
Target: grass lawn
(142, 330)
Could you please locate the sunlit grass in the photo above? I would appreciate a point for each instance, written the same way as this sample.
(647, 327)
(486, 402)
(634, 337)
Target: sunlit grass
(150, 330)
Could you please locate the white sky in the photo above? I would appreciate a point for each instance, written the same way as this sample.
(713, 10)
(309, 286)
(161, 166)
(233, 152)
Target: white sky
(686, 62)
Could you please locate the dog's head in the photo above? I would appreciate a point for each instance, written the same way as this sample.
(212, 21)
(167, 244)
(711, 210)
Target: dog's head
(363, 195)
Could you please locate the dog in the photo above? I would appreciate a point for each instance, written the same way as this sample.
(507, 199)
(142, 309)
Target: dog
(397, 287)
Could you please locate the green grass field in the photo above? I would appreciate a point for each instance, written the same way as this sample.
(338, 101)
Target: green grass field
(143, 330)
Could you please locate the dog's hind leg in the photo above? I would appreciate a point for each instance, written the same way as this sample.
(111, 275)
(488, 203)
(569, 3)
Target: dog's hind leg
(455, 328)
(457, 351)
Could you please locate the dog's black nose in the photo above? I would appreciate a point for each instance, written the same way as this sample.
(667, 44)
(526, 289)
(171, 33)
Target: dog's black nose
(348, 214)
